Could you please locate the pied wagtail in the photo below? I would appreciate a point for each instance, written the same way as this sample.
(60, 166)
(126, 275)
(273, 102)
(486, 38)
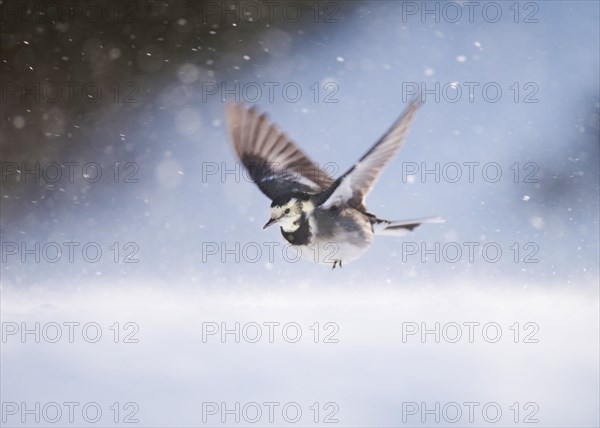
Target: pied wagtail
(324, 219)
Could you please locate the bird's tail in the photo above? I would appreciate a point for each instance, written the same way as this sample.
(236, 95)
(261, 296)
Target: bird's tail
(401, 227)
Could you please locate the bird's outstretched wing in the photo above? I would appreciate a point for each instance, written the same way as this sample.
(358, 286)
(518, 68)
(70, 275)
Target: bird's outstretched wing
(274, 162)
(355, 184)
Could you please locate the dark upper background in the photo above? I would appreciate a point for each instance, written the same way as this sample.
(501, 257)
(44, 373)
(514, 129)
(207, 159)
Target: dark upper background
(154, 62)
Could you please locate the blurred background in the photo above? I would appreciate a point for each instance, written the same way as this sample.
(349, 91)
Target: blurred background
(113, 136)
(138, 89)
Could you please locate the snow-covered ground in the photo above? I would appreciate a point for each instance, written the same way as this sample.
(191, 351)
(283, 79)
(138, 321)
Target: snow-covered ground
(365, 362)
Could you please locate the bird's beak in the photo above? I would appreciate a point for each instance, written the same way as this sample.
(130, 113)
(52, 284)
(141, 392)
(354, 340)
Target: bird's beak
(269, 223)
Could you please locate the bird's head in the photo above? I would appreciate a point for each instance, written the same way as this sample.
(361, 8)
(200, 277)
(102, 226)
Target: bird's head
(287, 211)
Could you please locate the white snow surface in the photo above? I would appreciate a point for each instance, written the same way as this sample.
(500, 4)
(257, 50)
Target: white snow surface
(368, 374)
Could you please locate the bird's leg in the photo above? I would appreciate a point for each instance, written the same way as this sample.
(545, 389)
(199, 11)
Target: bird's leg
(334, 264)
(340, 263)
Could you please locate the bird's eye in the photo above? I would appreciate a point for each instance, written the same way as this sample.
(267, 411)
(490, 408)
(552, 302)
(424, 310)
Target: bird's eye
(287, 211)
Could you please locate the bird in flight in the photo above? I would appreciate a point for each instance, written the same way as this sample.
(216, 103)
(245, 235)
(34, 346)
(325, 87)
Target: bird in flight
(324, 219)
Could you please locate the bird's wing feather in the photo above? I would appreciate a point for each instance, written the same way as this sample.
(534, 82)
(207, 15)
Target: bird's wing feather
(274, 161)
(355, 184)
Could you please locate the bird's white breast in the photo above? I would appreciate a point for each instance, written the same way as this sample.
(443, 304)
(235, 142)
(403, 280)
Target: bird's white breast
(327, 252)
